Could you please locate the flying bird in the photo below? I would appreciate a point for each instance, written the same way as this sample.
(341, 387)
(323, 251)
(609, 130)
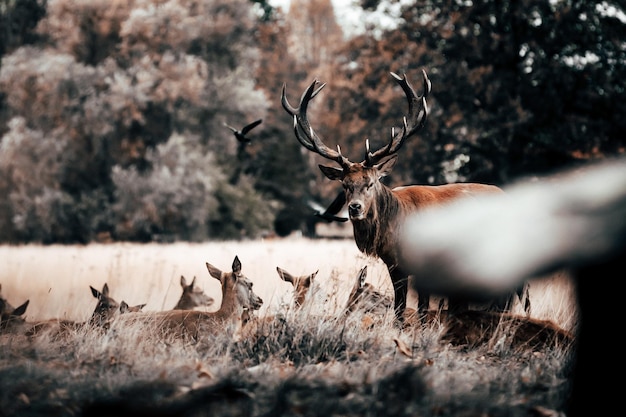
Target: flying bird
(241, 134)
(330, 214)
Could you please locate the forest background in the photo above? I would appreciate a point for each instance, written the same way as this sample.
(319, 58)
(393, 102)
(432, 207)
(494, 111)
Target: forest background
(112, 112)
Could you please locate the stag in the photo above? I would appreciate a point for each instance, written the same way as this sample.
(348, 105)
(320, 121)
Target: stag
(376, 211)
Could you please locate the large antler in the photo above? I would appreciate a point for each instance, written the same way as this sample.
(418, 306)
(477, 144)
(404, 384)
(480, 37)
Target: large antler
(302, 128)
(418, 113)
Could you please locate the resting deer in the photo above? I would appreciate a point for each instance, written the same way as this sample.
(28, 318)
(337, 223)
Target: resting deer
(301, 288)
(125, 308)
(365, 297)
(301, 285)
(376, 211)
(237, 296)
(11, 317)
(106, 310)
(192, 296)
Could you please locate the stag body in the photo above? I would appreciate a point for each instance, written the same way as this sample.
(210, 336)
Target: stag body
(376, 211)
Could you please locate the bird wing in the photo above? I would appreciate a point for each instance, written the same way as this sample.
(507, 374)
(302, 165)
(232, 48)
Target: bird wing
(251, 126)
(230, 127)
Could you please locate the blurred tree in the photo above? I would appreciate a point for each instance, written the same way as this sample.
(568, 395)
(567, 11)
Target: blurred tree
(283, 169)
(110, 82)
(18, 19)
(519, 88)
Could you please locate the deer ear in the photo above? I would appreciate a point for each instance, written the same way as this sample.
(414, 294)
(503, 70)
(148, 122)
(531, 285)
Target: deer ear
(236, 265)
(386, 166)
(21, 309)
(362, 276)
(284, 275)
(95, 292)
(215, 272)
(314, 274)
(332, 173)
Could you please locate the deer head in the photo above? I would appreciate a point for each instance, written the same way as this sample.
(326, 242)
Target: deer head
(192, 296)
(360, 180)
(106, 308)
(301, 284)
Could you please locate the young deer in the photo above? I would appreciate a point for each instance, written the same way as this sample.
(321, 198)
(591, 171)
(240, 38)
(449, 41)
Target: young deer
(192, 296)
(106, 309)
(301, 284)
(237, 296)
(125, 308)
(365, 297)
(301, 287)
(11, 317)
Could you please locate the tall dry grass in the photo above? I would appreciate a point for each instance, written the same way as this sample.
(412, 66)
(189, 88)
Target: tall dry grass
(309, 359)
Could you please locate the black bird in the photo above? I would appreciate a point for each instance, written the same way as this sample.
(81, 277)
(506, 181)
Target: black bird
(241, 134)
(330, 213)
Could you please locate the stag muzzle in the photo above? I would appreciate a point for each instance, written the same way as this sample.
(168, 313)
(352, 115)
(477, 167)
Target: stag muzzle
(355, 211)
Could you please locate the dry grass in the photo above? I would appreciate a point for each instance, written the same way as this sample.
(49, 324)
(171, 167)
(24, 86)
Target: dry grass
(307, 363)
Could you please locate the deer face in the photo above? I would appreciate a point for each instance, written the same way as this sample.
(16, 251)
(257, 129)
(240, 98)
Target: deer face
(246, 296)
(192, 296)
(301, 284)
(361, 184)
(106, 308)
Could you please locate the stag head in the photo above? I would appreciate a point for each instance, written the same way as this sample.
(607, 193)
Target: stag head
(360, 180)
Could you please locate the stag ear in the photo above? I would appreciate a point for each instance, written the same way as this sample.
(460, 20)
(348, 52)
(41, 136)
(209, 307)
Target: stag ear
(332, 173)
(385, 167)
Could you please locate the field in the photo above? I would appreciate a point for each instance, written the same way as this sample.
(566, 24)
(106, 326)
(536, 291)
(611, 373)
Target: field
(310, 363)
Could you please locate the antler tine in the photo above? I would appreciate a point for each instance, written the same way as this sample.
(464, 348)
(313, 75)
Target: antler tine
(414, 121)
(302, 128)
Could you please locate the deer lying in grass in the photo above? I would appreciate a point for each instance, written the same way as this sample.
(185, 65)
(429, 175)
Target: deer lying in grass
(301, 288)
(192, 296)
(106, 309)
(301, 285)
(366, 298)
(11, 317)
(237, 296)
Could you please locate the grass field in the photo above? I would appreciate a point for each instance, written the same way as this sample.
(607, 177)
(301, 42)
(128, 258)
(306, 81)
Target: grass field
(305, 366)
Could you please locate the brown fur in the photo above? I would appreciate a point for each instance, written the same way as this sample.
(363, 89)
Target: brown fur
(237, 296)
(377, 212)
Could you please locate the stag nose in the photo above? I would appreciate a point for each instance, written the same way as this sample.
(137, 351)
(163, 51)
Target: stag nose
(354, 209)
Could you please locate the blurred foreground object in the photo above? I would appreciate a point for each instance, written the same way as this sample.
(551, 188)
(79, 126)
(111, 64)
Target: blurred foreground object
(484, 246)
